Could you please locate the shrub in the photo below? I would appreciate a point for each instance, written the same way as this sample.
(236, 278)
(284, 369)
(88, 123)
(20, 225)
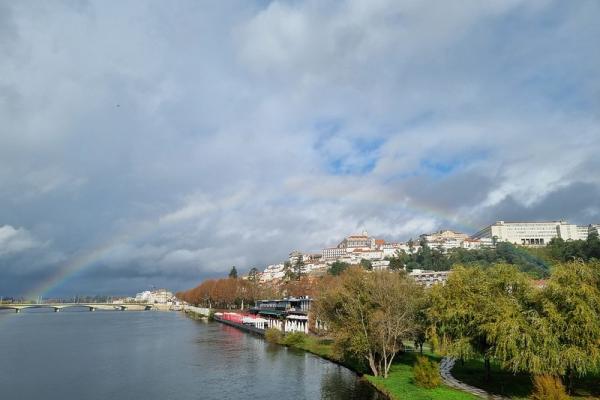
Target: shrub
(294, 339)
(548, 387)
(426, 373)
(273, 335)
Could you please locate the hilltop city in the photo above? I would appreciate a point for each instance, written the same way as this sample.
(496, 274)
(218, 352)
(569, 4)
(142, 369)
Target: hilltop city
(378, 253)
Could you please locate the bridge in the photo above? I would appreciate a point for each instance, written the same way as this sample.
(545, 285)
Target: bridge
(90, 306)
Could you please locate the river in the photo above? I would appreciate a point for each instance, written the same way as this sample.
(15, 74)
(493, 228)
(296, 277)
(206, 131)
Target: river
(156, 355)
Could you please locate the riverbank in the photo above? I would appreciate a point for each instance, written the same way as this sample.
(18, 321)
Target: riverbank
(400, 385)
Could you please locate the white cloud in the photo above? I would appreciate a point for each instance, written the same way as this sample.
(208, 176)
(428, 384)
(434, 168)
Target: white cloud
(16, 240)
(204, 135)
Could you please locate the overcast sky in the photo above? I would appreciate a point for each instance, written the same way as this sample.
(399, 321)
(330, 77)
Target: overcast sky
(161, 142)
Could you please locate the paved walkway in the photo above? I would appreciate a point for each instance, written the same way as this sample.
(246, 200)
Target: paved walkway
(445, 371)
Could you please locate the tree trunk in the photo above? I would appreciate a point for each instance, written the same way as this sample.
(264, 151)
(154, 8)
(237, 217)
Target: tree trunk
(570, 380)
(488, 369)
(372, 365)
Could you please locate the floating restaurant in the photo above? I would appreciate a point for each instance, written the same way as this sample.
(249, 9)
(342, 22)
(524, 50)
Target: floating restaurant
(287, 315)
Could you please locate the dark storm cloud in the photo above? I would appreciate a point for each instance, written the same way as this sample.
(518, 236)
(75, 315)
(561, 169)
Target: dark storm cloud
(164, 143)
(577, 202)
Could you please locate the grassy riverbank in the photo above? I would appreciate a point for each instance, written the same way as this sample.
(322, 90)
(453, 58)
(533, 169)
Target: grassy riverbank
(517, 386)
(398, 385)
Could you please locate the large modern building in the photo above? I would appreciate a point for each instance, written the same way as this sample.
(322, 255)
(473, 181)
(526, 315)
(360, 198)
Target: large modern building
(532, 233)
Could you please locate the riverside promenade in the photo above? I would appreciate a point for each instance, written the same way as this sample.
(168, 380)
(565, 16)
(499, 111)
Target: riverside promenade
(446, 372)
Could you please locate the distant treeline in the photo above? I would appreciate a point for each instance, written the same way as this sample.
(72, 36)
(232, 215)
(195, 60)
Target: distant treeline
(233, 292)
(586, 250)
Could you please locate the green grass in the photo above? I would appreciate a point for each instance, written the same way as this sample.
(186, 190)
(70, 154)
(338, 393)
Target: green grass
(320, 347)
(399, 384)
(502, 382)
(516, 386)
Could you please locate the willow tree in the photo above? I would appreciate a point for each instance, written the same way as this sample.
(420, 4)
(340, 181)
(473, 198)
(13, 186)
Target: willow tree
(369, 314)
(457, 313)
(520, 337)
(571, 304)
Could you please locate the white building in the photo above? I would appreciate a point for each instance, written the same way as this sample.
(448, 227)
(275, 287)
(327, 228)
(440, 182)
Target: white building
(275, 271)
(475, 244)
(529, 233)
(380, 265)
(443, 235)
(429, 278)
(159, 296)
(333, 253)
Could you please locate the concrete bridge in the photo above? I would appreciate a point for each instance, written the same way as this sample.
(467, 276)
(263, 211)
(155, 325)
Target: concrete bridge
(90, 306)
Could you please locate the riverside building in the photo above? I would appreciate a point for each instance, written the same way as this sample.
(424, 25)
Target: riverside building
(287, 315)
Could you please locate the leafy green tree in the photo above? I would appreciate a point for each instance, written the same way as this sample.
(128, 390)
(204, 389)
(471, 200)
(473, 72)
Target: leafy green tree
(297, 269)
(592, 246)
(571, 250)
(369, 314)
(458, 313)
(518, 334)
(366, 264)
(253, 274)
(337, 267)
(233, 273)
(396, 263)
(486, 312)
(571, 304)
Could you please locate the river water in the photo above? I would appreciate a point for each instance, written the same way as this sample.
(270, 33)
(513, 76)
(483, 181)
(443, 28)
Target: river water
(156, 355)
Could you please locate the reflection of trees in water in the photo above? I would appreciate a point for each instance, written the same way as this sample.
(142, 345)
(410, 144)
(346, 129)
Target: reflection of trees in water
(273, 351)
(340, 384)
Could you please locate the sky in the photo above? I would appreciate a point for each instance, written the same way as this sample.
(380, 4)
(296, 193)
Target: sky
(159, 143)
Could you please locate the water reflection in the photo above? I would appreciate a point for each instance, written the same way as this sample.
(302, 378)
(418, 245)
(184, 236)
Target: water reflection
(153, 355)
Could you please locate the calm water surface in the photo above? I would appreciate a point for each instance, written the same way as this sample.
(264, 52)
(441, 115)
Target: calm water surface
(152, 355)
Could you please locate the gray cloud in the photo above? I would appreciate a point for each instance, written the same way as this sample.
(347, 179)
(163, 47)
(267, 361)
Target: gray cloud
(169, 142)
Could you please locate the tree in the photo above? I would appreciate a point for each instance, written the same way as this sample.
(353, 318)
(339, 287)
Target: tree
(253, 274)
(366, 264)
(399, 260)
(517, 332)
(337, 267)
(455, 314)
(369, 314)
(297, 268)
(288, 272)
(571, 304)
(233, 273)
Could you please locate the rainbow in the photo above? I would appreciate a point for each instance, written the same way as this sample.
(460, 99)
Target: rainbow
(72, 267)
(87, 259)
